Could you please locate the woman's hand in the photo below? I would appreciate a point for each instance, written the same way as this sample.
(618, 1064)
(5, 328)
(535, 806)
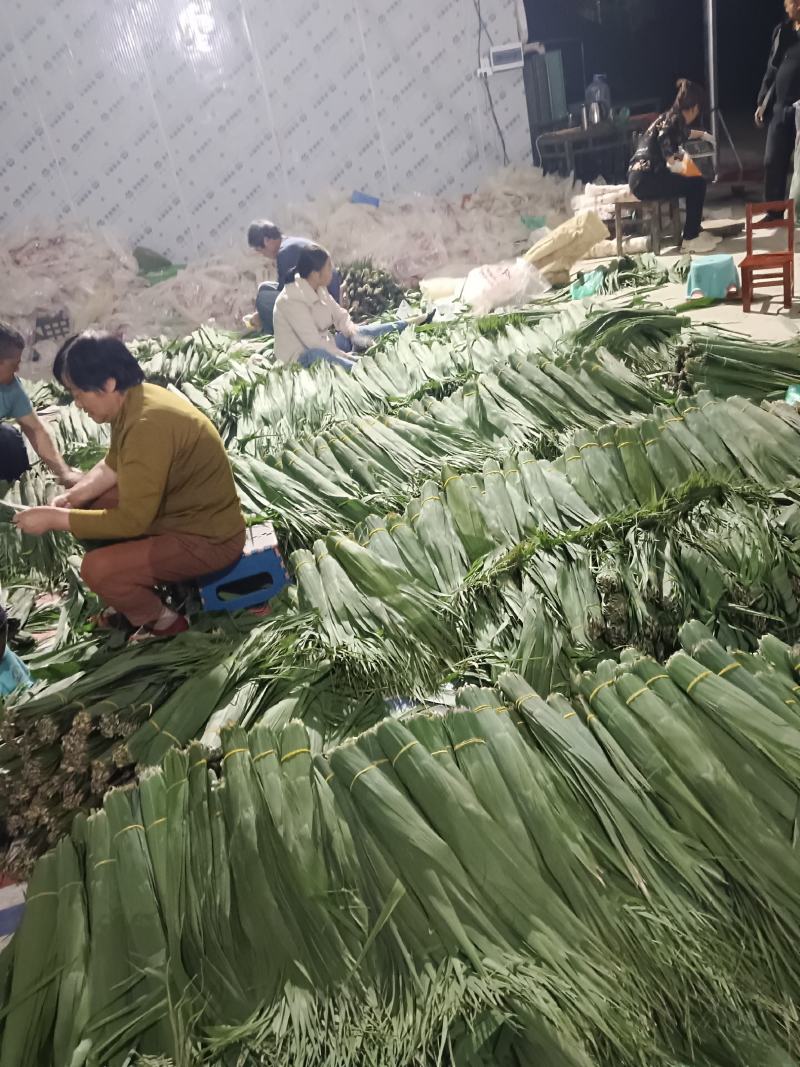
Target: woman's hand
(760, 115)
(62, 501)
(38, 521)
(70, 477)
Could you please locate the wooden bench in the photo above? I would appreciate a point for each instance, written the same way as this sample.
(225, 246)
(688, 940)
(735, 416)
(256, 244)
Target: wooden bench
(651, 212)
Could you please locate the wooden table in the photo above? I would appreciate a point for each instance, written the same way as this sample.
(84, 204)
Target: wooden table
(562, 151)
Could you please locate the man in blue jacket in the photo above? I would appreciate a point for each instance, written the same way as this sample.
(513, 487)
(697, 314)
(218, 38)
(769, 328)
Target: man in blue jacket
(779, 91)
(266, 238)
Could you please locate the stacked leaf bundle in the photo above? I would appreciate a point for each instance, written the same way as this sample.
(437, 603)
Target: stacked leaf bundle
(63, 748)
(733, 366)
(369, 291)
(46, 561)
(519, 881)
(338, 477)
(546, 566)
(261, 405)
(552, 525)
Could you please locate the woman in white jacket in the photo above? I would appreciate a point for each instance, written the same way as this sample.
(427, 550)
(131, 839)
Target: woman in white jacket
(310, 325)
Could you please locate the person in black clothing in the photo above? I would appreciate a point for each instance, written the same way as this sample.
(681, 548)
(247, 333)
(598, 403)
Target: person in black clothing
(655, 172)
(779, 91)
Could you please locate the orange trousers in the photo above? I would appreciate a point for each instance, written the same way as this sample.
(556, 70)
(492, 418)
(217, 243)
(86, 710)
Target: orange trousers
(124, 574)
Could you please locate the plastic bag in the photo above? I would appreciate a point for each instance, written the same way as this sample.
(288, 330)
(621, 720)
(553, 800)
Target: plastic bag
(508, 284)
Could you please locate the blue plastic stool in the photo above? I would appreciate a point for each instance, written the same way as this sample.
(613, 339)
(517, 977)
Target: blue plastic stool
(713, 276)
(260, 558)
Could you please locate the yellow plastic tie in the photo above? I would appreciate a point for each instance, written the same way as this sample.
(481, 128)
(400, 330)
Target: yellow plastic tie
(264, 754)
(588, 444)
(451, 478)
(365, 770)
(397, 526)
(590, 717)
(658, 678)
(699, 678)
(675, 418)
(322, 556)
(166, 733)
(570, 715)
(44, 893)
(571, 459)
(303, 563)
(156, 822)
(295, 752)
(441, 752)
(730, 667)
(512, 471)
(482, 707)
(133, 826)
(597, 689)
(405, 748)
(427, 500)
(625, 444)
(102, 863)
(469, 741)
(329, 778)
(633, 696)
(234, 752)
(652, 441)
(791, 700)
(377, 530)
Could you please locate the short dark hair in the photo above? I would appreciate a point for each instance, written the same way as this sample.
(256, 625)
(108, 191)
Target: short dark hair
(89, 359)
(10, 338)
(313, 257)
(262, 230)
(690, 95)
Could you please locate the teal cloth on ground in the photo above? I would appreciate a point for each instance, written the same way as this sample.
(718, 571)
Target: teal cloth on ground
(713, 276)
(588, 284)
(14, 402)
(13, 674)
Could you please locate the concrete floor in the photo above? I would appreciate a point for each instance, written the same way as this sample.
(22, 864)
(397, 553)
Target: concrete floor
(768, 320)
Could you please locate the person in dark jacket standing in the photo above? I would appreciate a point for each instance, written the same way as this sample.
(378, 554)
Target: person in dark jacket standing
(779, 91)
(656, 170)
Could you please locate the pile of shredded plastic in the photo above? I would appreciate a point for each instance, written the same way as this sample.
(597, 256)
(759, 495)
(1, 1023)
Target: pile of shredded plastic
(413, 236)
(93, 277)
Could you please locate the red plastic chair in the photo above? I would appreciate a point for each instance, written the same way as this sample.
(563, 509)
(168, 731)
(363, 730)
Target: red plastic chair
(768, 269)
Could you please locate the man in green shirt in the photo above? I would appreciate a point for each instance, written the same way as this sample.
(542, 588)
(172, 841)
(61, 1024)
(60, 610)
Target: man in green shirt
(14, 404)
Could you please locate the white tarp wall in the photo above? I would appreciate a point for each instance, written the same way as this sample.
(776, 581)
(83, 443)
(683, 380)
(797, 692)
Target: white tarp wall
(176, 121)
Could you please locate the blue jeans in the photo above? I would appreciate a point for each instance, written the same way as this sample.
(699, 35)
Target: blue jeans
(314, 355)
(376, 329)
(268, 293)
(345, 345)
